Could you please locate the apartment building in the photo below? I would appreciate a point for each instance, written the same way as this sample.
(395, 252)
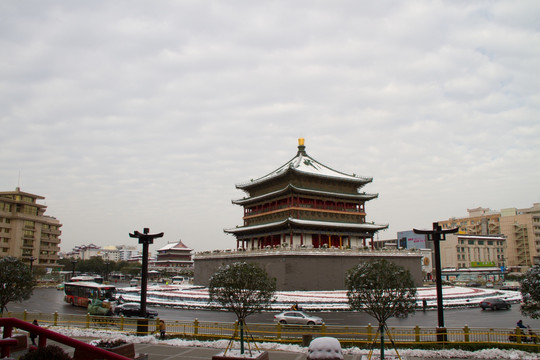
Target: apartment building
(520, 227)
(481, 221)
(26, 232)
(110, 253)
(473, 251)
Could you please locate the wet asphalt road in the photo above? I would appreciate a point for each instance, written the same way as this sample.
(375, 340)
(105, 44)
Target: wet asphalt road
(49, 300)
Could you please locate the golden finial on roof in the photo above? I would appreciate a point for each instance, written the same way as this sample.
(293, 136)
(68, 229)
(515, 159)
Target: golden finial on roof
(301, 147)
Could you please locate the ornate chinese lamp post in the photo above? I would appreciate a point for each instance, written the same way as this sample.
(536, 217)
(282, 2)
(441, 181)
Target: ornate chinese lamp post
(436, 235)
(145, 239)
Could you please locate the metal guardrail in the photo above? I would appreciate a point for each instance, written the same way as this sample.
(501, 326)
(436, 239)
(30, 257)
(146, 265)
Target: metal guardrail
(359, 335)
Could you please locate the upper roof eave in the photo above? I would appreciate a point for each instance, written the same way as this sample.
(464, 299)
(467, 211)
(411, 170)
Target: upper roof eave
(358, 196)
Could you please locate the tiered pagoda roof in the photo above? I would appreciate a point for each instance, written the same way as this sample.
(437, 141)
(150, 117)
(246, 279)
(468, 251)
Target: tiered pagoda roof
(304, 164)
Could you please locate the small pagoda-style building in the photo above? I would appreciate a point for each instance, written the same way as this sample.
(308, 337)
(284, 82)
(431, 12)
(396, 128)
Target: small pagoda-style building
(305, 204)
(174, 255)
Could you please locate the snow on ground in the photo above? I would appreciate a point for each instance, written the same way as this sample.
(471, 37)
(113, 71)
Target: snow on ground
(222, 344)
(185, 296)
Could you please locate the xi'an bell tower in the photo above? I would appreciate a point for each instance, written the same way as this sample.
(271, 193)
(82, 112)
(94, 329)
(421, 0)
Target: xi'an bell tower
(305, 204)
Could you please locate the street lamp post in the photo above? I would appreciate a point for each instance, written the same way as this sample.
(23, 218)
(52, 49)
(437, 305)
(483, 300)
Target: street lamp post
(107, 263)
(32, 259)
(436, 235)
(73, 263)
(145, 239)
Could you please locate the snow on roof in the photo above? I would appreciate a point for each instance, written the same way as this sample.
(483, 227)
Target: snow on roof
(303, 163)
(174, 245)
(363, 196)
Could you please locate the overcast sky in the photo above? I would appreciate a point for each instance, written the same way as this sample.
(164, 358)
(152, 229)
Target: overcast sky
(133, 114)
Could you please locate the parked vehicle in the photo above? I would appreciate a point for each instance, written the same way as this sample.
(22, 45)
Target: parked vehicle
(489, 285)
(178, 280)
(133, 309)
(297, 318)
(474, 284)
(494, 304)
(511, 285)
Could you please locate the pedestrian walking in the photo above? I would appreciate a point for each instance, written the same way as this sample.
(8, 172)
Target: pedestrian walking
(33, 335)
(162, 329)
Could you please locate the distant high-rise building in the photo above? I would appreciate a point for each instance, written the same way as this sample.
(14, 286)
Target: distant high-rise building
(26, 232)
(481, 221)
(520, 227)
(111, 252)
(522, 230)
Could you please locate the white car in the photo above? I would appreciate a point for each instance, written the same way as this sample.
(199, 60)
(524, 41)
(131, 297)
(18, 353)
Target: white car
(297, 318)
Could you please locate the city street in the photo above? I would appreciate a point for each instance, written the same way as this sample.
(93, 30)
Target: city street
(473, 317)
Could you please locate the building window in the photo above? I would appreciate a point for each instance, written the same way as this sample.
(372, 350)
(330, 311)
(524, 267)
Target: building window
(490, 242)
(471, 242)
(480, 242)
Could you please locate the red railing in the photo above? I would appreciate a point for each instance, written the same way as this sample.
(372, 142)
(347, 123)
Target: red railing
(43, 334)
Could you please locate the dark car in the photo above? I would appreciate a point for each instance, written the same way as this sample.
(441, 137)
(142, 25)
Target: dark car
(133, 309)
(494, 304)
(474, 284)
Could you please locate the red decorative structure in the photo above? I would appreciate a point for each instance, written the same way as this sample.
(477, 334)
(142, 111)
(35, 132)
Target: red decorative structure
(43, 334)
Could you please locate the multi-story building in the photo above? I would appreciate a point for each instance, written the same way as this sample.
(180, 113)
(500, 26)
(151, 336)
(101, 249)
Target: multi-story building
(128, 252)
(26, 232)
(111, 253)
(481, 221)
(522, 230)
(520, 227)
(471, 251)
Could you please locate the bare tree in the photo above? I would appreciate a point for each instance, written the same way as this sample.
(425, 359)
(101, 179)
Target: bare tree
(243, 288)
(381, 289)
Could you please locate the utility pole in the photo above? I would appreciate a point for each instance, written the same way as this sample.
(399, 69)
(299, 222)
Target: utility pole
(73, 263)
(436, 235)
(32, 259)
